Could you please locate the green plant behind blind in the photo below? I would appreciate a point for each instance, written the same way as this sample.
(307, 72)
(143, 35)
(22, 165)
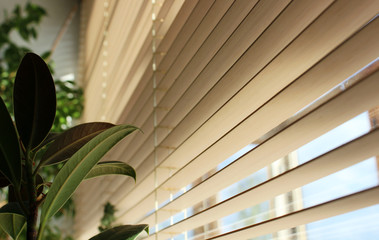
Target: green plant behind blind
(24, 22)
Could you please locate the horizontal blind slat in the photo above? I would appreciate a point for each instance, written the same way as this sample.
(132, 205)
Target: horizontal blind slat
(214, 14)
(196, 15)
(288, 17)
(234, 122)
(362, 49)
(202, 32)
(127, 111)
(296, 135)
(329, 209)
(360, 97)
(247, 132)
(187, 8)
(338, 159)
(214, 38)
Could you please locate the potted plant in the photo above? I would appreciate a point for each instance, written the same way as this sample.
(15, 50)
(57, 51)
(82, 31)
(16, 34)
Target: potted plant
(27, 145)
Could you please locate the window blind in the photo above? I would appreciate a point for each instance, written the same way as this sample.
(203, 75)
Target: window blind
(237, 86)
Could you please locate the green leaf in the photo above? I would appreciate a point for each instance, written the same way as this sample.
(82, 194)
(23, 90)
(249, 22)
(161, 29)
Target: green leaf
(78, 166)
(111, 167)
(69, 142)
(12, 220)
(10, 160)
(125, 232)
(34, 100)
(4, 182)
(50, 138)
(46, 55)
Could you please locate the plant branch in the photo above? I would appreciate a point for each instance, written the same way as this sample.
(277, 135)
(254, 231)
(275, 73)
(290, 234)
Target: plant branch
(32, 193)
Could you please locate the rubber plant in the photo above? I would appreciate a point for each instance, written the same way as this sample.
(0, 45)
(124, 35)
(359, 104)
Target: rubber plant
(27, 146)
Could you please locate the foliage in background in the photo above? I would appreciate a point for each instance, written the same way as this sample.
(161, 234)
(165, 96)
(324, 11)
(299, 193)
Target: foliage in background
(80, 149)
(24, 21)
(108, 218)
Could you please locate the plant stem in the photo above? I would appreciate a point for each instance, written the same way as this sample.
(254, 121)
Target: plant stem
(31, 231)
(32, 222)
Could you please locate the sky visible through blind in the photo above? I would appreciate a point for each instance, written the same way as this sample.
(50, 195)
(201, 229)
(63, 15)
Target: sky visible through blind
(359, 224)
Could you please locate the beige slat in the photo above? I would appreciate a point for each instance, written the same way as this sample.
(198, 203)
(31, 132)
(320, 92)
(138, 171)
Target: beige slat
(329, 209)
(267, 74)
(130, 109)
(135, 49)
(136, 43)
(168, 12)
(336, 160)
(92, 54)
(127, 15)
(134, 52)
(325, 118)
(319, 39)
(94, 38)
(149, 65)
(214, 15)
(192, 22)
(252, 34)
(361, 49)
(94, 83)
(204, 54)
(181, 40)
(325, 34)
(235, 46)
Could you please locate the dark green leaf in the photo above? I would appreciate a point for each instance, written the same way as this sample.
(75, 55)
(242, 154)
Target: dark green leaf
(10, 160)
(17, 11)
(69, 142)
(125, 232)
(46, 55)
(78, 166)
(33, 32)
(23, 32)
(4, 182)
(50, 138)
(34, 100)
(12, 220)
(111, 167)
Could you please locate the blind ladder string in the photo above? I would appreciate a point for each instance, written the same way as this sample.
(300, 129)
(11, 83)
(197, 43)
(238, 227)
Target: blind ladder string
(155, 123)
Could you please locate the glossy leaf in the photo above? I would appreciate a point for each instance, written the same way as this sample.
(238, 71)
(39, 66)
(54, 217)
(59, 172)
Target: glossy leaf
(78, 166)
(10, 159)
(69, 142)
(112, 167)
(50, 138)
(4, 182)
(12, 220)
(125, 232)
(34, 100)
